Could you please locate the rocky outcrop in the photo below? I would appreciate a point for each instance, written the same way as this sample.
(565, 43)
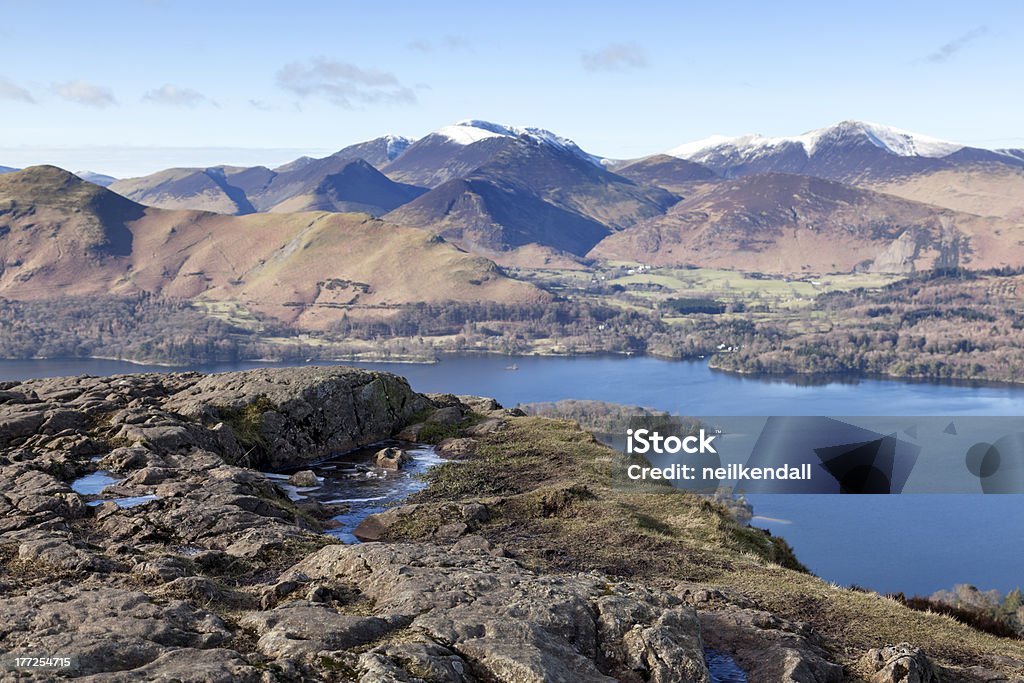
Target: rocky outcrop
(767, 647)
(179, 522)
(901, 663)
(468, 611)
(287, 417)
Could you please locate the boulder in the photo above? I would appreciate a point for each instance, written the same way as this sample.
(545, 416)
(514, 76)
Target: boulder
(901, 663)
(304, 479)
(456, 448)
(479, 404)
(447, 416)
(392, 458)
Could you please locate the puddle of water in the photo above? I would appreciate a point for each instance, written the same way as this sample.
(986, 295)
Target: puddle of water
(93, 484)
(130, 502)
(353, 480)
(723, 668)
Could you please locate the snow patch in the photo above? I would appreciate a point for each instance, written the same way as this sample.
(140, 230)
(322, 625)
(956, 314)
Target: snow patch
(395, 145)
(470, 131)
(467, 135)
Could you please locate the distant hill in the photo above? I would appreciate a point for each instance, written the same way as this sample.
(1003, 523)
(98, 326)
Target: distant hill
(344, 185)
(482, 215)
(792, 224)
(7, 169)
(62, 236)
(532, 192)
(96, 178)
(668, 172)
(344, 181)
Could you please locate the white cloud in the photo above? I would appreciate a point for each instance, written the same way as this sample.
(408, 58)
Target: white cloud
(343, 83)
(12, 91)
(84, 92)
(174, 96)
(946, 51)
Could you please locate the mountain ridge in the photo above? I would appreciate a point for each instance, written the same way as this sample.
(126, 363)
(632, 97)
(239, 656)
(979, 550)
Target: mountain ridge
(789, 223)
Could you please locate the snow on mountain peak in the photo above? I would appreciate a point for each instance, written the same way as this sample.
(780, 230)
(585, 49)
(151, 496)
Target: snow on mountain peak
(395, 145)
(469, 131)
(893, 140)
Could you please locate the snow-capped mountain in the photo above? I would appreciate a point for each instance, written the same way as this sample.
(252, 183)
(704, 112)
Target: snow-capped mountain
(468, 131)
(456, 150)
(846, 151)
(892, 140)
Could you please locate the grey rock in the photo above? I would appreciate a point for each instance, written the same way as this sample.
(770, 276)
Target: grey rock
(105, 628)
(456, 448)
(480, 404)
(310, 412)
(413, 661)
(376, 527)
(488, 426)
(304, 479)
(901, 663)
(300, 629)
(447, 416)
(189, 665)
(56, 550)
(769, 648)
(510, 624)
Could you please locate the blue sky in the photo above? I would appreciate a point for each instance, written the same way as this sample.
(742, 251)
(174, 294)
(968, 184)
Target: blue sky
(130, 86)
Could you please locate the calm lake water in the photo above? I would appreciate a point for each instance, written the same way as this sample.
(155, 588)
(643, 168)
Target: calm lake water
(912, 543)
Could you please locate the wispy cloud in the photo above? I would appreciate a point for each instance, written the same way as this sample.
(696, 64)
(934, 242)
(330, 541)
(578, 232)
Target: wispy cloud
(174, 96)
(84, 92)
(946, 51)
(343, 83)
(12, 91)
(615, 57)
(261, 105)
(446, 44)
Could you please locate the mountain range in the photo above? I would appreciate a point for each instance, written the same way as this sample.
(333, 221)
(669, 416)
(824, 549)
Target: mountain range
(62, 236)
(853, 196)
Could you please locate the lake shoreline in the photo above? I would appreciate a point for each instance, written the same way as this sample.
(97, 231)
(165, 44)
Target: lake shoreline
(792, 378)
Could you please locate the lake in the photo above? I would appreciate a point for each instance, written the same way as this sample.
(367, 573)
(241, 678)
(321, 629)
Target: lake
(911, 543)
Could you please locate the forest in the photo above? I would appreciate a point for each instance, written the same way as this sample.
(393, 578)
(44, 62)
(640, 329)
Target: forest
(948, 325)
(953, 325)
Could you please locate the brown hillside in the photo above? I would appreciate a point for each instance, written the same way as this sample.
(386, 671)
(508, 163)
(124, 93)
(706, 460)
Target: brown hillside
(983, 189)
(62, 236)
(791, 224)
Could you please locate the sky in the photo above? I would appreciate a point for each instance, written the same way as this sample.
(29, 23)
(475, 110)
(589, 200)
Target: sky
(127, 87)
